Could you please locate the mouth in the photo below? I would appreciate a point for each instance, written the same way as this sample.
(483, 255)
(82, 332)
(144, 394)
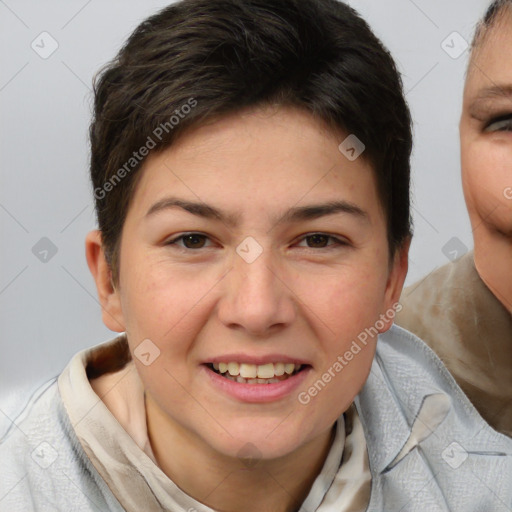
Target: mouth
(246, 373)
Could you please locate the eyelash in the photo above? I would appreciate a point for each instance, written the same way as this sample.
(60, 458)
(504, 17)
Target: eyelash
(337, 242)
(504, 119)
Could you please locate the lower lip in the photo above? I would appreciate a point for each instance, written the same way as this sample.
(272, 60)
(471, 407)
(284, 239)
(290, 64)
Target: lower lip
(257, 393)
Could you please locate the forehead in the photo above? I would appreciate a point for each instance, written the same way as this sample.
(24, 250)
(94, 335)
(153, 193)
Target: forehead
(491, 60)
(258, 157)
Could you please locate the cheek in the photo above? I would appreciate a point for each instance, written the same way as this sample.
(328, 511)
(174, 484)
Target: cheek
(169, 308)
(488, 181)
(166, 304)
(346, 302)
(350, 308)
(340, 378)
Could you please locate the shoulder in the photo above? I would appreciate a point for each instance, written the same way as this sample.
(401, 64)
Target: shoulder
(441, 310)
(454, 312)
(28, 448)
(411, 370)
(42, 463)
(417, 421)
(428, 303)
(36, 418)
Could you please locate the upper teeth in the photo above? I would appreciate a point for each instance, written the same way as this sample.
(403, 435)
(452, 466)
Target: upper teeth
(252, 371)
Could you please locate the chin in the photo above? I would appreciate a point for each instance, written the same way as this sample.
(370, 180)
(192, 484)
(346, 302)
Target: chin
(253, 442)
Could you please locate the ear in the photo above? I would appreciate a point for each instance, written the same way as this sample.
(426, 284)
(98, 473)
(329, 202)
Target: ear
(395, 284)
(109, 296)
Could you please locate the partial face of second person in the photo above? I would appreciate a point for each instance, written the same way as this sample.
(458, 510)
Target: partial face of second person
(319, 277)
(486, 152)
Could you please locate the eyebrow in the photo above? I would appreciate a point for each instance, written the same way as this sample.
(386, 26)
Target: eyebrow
(295, 214)
(496, 91)
(488, 99)
(488, 94)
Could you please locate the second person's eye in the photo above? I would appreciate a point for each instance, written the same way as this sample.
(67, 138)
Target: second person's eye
(500, 124)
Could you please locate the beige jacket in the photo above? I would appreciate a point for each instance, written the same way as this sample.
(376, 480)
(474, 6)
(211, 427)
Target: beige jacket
(455, 313)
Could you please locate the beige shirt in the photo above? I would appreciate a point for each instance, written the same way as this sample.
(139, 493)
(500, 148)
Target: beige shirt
(113, 432)
(454, 312)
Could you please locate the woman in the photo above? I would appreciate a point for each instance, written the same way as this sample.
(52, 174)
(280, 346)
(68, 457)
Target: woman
(464, 309)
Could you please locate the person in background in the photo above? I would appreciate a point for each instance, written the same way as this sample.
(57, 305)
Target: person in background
(464, 309)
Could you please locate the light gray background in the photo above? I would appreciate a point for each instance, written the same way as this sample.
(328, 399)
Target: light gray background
(49, 311)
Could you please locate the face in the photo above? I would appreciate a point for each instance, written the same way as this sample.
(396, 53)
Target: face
(486, 134)
(253, 243)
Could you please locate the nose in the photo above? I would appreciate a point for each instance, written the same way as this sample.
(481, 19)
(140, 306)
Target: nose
(257, 298)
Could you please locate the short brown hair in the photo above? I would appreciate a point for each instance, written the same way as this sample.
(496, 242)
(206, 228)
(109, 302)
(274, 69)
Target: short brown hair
(220, 56)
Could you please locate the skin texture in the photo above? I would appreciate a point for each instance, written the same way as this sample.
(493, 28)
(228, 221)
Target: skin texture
(486, 152)
(303, 297)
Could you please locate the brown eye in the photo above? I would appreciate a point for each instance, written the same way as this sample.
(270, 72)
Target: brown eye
(190, 241)
(194, 241)
(318, 241)
(321, 241)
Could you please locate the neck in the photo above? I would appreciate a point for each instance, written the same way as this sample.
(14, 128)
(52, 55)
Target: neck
(225, 483)
(493, 262)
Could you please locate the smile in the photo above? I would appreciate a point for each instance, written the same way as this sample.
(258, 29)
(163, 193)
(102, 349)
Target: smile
(246, 373)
